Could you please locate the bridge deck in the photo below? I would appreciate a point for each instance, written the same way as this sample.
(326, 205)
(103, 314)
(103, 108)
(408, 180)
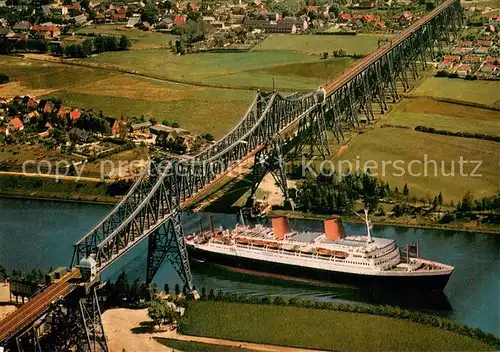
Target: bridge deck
(29, 312)
(362, 64)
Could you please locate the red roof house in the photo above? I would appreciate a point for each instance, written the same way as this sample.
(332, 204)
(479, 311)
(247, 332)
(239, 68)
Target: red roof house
(16, 124)
(484, 43)
(75, 115)
(345, 17)
(454, 58)
(179, 19)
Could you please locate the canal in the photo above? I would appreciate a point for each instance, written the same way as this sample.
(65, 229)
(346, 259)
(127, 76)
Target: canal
(41, 233)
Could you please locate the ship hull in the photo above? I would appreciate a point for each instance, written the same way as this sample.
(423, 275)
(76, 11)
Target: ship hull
(431, 282)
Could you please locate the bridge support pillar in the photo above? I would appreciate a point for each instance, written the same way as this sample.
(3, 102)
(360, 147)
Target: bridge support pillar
(271, 160)
(92, 337)
(167, 241)
(312, 133)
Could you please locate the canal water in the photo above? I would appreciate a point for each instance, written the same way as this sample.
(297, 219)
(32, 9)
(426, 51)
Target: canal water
(41, 233)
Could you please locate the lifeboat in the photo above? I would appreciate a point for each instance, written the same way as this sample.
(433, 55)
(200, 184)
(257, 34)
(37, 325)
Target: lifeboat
(272, 244)
(340, 255)
(324, 252)
(241, 240)
(257, 243)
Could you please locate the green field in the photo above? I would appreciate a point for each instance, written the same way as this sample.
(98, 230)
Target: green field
(319, 329)
(140, 39)
(197, 109)
(247, 69)
(391, 144)
(317, 44)
(191, 346)
(483, 92)
(444, 116)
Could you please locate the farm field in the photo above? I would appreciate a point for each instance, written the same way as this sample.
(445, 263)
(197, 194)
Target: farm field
(318, 329)
(444, 116)
(140, 39)
(482, 92)
(317, 44)
(197, 109)
(251, 70)
(391, 144)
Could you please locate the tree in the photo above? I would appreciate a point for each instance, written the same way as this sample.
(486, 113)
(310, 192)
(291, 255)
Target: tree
(208, 136)
(429, 6)
(122, 288)
(406, 191)
(124, 43)
(155, 311)
(175, 125)
(335, 9)
(165, 123)
(435, 202)
(84, 4)
(87, 47)
(324, 56)
(396, 191)
(3, 273)
(166, 288)
(149, 14)
(4, 79)
(440, 198)
(17, 274)
(466, 203)
(177, 289)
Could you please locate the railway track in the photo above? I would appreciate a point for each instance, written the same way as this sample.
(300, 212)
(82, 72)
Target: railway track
(29, 312)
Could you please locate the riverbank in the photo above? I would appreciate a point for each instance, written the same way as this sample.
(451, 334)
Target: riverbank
(384, 221)
(16, 186)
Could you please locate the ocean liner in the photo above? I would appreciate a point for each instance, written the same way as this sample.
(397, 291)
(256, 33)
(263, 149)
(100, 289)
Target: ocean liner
(330, 256)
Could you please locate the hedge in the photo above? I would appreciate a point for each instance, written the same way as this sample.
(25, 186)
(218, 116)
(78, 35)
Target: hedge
(483, 136)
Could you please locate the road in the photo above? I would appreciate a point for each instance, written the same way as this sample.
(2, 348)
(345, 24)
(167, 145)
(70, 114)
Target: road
(58, 177)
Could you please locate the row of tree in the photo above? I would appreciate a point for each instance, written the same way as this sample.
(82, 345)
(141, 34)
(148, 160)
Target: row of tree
(337, 194)
(97, 44)
(468, 203)
(33, 277)
(458, 134)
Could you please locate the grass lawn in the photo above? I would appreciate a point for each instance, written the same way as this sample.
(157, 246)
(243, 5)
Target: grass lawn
(317, 44)
(391, 144)
(197, 109)
(444, 116)
(319, 329)
(140, 39)
(191, 346)
(483, 92)
(248, 69)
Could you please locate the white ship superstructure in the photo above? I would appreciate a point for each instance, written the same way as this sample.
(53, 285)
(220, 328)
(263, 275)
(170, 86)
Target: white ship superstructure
(331, 252)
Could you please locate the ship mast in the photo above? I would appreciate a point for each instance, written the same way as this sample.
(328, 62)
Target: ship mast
(368, 224)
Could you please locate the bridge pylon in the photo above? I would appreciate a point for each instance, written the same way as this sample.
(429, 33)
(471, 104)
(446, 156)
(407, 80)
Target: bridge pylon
(167, 241)
(312, 133)
(271, 159)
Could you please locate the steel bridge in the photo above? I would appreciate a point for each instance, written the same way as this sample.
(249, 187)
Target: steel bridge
(272, 126)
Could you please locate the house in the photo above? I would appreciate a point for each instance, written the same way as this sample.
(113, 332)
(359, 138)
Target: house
(56, 10)
(494, 20)
(30, 102)
(380, 25)
(161, 129)
(80, 19)
(484, 43)
(459, 51)
(21, 27)
(345, 17)
(99, 18)
(218, 24)
(61, 112)
(488, 68)
(6, 33)
(119, 17)
(141, 127)
(117, 126)
(16, 124)
(313, 9)
(45, 32)
(45, 106)
(74, 115)
(482, 50)
(46, 10)
(445, 65)
(367, 4)
(79, 134)
(452, 58)
(472, 60)
(136, 19)
(72, 7)
(464, 43)
(300, 23)
(403, 19)
(179, 20)
(492, 60)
